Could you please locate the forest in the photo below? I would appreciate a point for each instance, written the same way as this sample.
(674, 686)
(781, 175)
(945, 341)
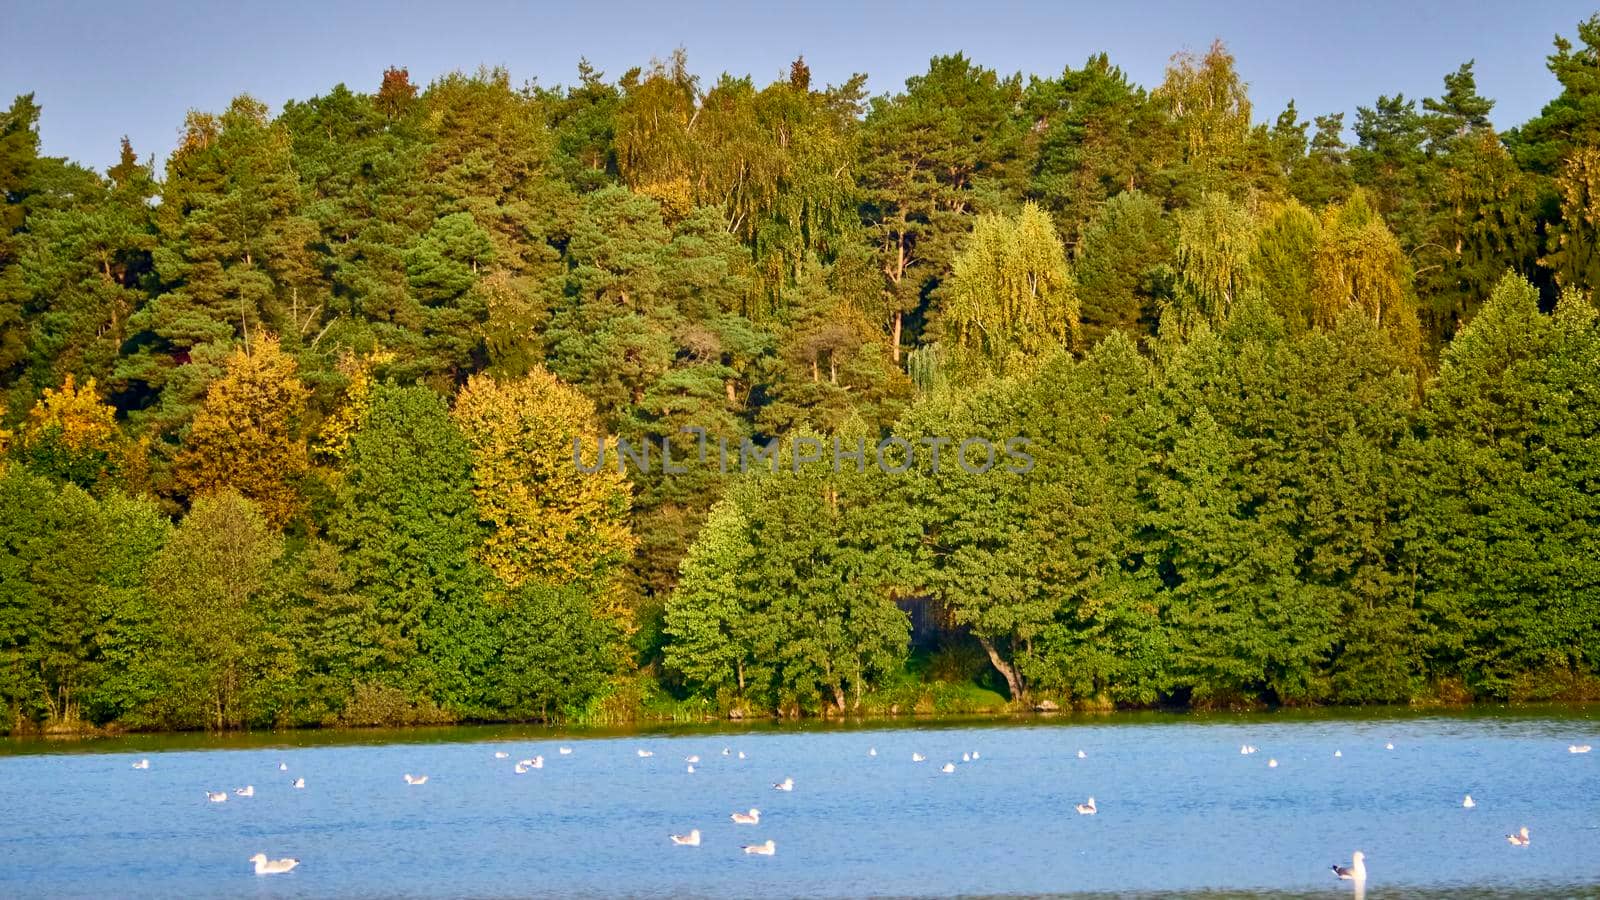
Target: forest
(1314, 405)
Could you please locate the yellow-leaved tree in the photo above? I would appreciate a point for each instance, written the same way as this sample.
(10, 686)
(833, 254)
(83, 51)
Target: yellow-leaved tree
(72, 435)
(333, 437)
(1011, 292)
(246, 434)
(1359, 265)
(549, 520)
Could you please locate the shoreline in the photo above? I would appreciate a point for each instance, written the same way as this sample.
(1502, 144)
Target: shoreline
(336, 735)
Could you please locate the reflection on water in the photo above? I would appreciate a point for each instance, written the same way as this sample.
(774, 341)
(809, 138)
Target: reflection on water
(1181, 812)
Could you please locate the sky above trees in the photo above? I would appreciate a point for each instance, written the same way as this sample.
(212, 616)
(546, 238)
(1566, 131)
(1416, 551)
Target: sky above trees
(101, 72)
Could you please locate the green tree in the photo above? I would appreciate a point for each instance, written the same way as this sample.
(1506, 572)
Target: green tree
(1125, 267)
(211, 579)
(409, 532)
(1505, 533)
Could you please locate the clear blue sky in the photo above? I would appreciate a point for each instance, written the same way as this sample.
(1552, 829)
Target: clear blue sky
(117, 68)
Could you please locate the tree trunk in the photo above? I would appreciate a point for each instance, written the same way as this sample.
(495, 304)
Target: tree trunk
(1013, 680)
(899, 318)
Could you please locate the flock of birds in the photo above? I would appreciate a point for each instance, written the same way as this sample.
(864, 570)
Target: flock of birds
(1356, 871)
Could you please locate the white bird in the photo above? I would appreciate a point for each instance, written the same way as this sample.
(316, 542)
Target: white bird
(1468, 802)
(1356, 871)
(501, 754)
(1579, 748)
(142, 764)
(974, 754)
(690, 768)
(1087, 809)
(1272, 764)
(565, 751)
(537, 762)
(726, 751)
(947, 768)
(917, 757)
(645, 754)
(692, 839)
(266, 866)
(1338, 754)
(767, 849)
(785, 785)
(248, 790)
(966, 757)
(299, 783)
(691, 759)
(283, 767)
(217, 796)
(1246, 749)
(1520, 839)
(753, 817)
(416, 779)
(1082, 755)
(1388, 746)
(872, 751)
(741, 754)
(522, 767)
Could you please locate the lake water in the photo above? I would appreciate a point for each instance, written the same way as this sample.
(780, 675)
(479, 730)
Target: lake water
(1181, 811)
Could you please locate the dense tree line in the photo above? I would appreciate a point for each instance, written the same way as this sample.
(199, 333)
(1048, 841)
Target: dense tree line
(289, 423)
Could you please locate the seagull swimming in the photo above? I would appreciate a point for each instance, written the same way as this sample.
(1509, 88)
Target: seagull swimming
(1520, 839)
(416, 779)
(966, 757)
(691, 759)
(645, 754)
(248, 790)
(1087, 809)
(1468, 803)
(565, 751)
(1082, 755)
(690, 768)
(537, 762)
(142, 764)
(692, 839)
(1579, 748)
(974, 754)
(726, 751)
(741, 754)
(753, 817)
(1388, 746)
(1338, 754)
(501, 754)
(299, 783)
(283, 767)
(522, 767)
(872, 751)
(917, 757)
(1356, 871)
(217, 796)
(766, 849)
(947, 768)
(266, 866)
(1272, 764)
(785, 785)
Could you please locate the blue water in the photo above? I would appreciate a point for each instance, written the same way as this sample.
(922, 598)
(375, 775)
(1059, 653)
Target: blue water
(1181, 811)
